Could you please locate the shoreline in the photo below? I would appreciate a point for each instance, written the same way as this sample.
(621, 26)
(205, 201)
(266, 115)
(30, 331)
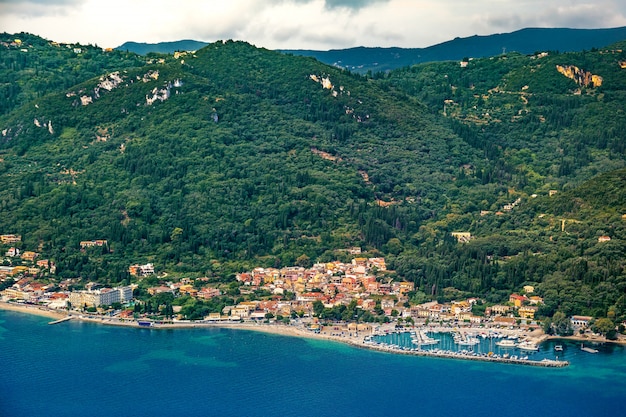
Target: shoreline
(290, 331)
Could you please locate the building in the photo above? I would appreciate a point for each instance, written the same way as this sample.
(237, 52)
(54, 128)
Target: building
(141, 270)
(7, 239)
(527, 312)
(500, 309)
(102, 297)
(581, 321)
(517, 300)
(462, 237)
(91, 243)
(29, 256)
(604, 238)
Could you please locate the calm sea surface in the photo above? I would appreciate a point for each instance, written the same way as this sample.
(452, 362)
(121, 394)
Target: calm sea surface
(82, 369)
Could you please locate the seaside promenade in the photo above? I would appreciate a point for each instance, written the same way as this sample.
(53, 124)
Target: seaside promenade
(356, 339)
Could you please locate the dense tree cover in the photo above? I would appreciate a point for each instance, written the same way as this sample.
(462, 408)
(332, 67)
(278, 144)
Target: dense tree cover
(31, 67)
(236, 157)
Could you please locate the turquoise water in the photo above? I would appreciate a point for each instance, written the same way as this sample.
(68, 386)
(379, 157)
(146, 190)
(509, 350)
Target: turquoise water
(78, 368)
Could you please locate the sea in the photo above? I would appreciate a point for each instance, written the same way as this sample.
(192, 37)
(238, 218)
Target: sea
(84, 369)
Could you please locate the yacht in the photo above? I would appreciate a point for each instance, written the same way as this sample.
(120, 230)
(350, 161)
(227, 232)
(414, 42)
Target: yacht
(558, 348)
(527, 346)
(506, 343)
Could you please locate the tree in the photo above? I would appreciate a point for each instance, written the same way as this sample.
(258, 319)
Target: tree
(304, 261)
(561, 325)
(603, 326)
(318, 308)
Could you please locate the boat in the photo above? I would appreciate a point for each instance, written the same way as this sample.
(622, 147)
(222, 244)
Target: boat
(506, 343)
(558, 348)
(525, 345)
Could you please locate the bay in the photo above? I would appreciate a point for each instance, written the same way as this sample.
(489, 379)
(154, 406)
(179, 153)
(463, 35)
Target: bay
(77, 368)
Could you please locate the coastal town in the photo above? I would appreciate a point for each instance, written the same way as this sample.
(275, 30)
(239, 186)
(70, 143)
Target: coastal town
(348, 301)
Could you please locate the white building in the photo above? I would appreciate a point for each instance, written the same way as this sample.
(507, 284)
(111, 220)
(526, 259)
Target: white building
(102, 297)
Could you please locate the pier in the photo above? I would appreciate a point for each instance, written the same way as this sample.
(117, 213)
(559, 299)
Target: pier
(60, 320)
(588, 349)
(547, 363)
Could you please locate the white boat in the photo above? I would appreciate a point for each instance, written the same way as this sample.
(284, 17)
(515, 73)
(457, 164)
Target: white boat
(506, 343)
(558, 348)
(527, 346)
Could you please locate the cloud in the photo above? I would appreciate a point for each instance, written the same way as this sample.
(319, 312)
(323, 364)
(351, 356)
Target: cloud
(37, 8)
(576, 14)
(298, 24)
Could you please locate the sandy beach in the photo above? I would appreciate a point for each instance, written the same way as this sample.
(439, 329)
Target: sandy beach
(32, 309)
(537, 336)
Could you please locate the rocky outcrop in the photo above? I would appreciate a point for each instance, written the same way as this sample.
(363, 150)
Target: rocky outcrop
(582, 77)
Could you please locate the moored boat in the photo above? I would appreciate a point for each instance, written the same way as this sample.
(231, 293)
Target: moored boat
(506, 343)
(526, 345)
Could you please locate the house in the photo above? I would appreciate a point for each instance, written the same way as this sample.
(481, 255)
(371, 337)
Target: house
(43, 263)
(91, 243)
(505, 321)
(159, 290)
(378, 263)
(604, 238)
(349, 283)
(6, 239)
(529, 289)
(29, 256)
(141, 270)
(188, 289)
(462, 237)
(209, 292)
(527, 312)
(500, 309)
(517, 300)
(580, 321)
(12, 252)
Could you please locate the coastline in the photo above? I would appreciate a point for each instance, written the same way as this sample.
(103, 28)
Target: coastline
(32, 309)
(351, 339)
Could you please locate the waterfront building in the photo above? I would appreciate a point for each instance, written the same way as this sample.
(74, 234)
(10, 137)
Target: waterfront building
(581, 321)
(101, 297)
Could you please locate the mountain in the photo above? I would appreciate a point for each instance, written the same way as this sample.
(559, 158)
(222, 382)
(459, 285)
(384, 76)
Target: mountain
(161, 47)
(364, 59)
(231, 157)
(525, 41)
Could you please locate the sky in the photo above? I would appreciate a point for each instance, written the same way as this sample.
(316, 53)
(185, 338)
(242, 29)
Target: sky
(298, 24)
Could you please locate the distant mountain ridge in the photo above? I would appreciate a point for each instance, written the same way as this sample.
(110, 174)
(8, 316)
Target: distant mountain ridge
(363, 59)
(162, 47)
(525, 41)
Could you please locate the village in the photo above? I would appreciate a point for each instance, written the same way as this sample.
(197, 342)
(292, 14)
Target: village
(307, 295)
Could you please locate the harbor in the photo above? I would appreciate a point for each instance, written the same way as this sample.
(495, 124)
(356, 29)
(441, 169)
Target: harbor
(448, 343)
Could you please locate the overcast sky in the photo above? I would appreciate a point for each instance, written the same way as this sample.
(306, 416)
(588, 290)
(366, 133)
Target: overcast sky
(298, 24)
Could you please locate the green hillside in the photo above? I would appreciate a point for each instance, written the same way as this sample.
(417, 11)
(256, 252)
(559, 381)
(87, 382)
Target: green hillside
(232, 157)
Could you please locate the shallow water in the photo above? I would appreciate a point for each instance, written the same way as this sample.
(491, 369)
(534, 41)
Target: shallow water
(84, 368)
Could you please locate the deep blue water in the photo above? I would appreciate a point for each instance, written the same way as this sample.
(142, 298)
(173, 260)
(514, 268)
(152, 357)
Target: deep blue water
(86, 369)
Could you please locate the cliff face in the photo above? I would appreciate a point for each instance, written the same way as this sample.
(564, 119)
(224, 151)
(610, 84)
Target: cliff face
(582, 77)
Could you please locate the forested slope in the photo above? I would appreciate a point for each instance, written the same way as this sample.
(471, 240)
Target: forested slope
(234, 157)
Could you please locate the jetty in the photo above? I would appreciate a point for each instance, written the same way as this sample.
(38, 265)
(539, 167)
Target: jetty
(547, 363)
(588, 349)
(60, 320)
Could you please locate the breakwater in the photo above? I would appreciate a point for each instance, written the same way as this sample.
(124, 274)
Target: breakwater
(547, 363)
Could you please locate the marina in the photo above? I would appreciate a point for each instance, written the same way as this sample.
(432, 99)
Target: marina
(488, 347)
